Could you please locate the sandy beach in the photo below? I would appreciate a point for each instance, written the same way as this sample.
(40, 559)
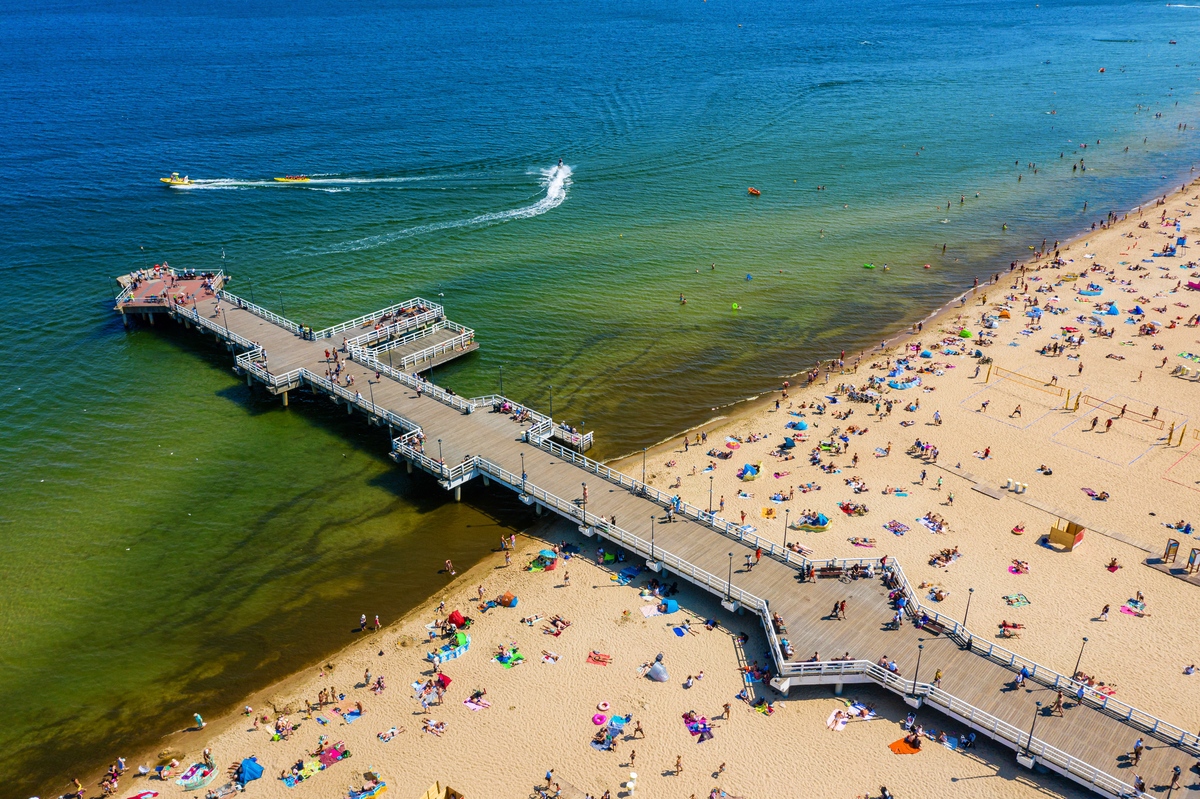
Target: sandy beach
(1010, 419)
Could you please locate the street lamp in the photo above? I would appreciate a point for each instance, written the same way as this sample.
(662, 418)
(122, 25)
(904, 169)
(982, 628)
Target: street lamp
(371, 389)
(551, 403)
(1028, 744)
(967, 612)
(643, 466)
(441, 460)
(1079, 659)
(786, 513)
(710, 487)
(522, 472)
(651, 536)
(583, 504)
(502, 381)
(226, 320)
(729, 582)
(917, 670)
(282, 310)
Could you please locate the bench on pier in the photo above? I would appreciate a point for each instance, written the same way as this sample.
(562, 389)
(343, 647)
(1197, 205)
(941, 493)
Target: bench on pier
(830, 571)
(933, 626)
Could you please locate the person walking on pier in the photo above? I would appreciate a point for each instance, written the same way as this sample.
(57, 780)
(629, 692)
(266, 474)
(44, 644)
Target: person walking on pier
(1136, 754)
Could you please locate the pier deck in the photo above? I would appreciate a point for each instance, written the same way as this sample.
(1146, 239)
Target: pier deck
(457, 439)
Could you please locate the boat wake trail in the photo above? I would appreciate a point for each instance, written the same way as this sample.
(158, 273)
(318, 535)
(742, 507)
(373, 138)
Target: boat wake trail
(556, 179)
(233, 183)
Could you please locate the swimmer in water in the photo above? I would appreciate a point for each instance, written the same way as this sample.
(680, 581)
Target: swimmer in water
(560, 162)
(682, 300)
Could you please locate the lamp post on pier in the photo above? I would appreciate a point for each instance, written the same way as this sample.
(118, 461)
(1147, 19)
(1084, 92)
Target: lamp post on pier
(729, 582)
(371, 390)
(502, 381)
(1079, 659)
(967, 612)
(441, 460)
(917, 670)
(551, 403)
(583, 504)
(226, 320)
(522, 472)
(250, 283)
(282, 309)
(1037, 711)
(643, 466)
(652, 537)
(710, 489)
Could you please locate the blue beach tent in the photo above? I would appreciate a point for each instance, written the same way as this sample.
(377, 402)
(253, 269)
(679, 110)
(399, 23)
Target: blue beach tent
(249, 770)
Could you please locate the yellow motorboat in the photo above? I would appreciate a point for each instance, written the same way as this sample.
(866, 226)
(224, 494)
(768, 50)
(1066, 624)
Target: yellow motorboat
(175, 180)
(293, 179)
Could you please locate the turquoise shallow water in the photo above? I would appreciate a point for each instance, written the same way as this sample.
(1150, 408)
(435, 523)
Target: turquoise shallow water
(432, 131)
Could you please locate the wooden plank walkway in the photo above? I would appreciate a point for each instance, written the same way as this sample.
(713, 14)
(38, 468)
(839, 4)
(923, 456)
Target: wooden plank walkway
(1085, 732)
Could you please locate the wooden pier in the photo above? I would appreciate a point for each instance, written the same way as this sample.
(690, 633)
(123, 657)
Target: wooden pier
(492, 438)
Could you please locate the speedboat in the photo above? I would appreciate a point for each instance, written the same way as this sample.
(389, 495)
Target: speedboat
(293, 179)
(175, 180)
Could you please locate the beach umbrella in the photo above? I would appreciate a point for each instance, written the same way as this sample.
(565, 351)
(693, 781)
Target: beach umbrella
(548, 553)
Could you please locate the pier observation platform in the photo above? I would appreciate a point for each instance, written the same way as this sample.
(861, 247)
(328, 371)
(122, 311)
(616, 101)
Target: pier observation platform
(456, 439)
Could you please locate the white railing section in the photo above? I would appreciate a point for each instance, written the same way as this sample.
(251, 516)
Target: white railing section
(413, 382)
(464, 338)
(374, 316)
(581, 440)
(358, 400)
(258, 310)
(384, 332)
(495, 401)
(202, 321)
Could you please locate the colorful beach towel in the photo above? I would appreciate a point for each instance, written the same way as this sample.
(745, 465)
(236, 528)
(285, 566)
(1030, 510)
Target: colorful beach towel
(651, 610)
(896, 527)
(1016, 600)
(351, 716)
(901, 747)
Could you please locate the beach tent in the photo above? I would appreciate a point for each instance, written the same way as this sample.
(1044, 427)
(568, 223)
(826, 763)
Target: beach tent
(1137, 311)
(926, 354)
(658, 672)
(822, 519)
(456, 619)
(1113, 310)
(670, 606)
(964, 333)
(249, 771)
(508, 600)
(788, 443)
(801, 425)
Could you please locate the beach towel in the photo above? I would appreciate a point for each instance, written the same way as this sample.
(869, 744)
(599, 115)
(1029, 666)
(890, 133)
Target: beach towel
(750, 678)
(859, 707)
(901, 747)
(322, 720)
(1016, 600)
(841, 725)
(512, 661)
(679, 631)
(768, 513)
(1088, 491)
(651, 610)
(601, 747)
(896, 527)
(599, 659)
(928, 523)
(350, 716)
(477, 705)
(900, 493)
(1014, 570)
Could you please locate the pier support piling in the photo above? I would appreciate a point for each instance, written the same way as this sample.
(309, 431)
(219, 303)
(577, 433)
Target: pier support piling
(150, 317)
(486, 482)
(125, 319)
(349, 408)
(408, 466)
(458, 493)
(285, 398)
(248, 379)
